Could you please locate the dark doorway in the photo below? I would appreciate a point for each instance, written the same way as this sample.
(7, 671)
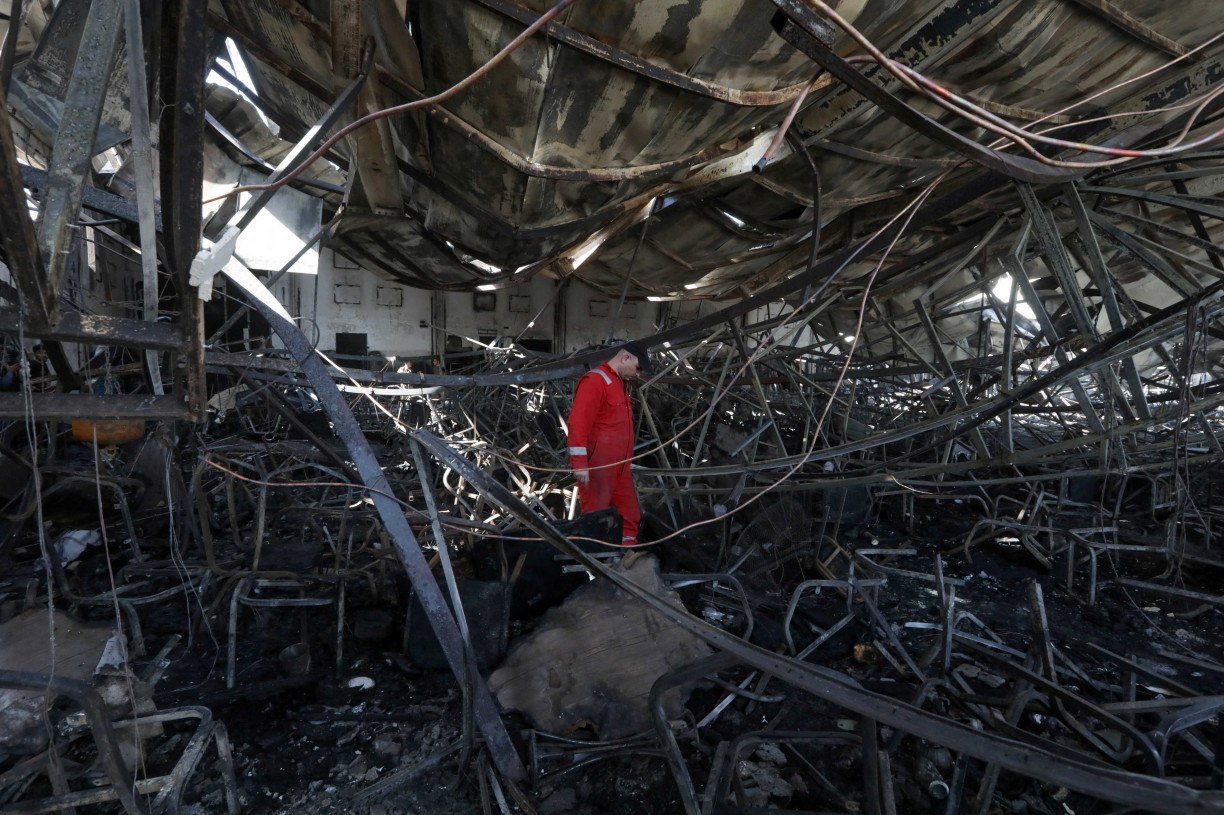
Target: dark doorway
(540, 346)
(351, 348)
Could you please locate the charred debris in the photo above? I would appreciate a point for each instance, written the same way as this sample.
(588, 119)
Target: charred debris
(929, 459)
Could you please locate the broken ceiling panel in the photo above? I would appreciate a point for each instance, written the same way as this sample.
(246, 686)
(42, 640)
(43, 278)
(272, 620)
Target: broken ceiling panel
(590, 101)
(933, 437)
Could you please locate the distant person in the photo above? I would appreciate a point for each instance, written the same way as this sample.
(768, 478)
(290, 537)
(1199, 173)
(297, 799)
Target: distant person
(438, 366)
(10, 375)
(98, 367)
(413, 407)
(40, 368)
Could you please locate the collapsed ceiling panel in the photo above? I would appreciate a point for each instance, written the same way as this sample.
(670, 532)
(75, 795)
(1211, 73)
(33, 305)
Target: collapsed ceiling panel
(928, 460)
(525, 164)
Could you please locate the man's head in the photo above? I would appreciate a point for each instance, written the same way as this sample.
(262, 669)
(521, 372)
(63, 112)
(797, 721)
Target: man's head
(630, 361)
(40, 353)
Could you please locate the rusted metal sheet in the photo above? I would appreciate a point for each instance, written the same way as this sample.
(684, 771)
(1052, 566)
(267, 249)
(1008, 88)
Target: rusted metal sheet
(1118, 16)
(50, 68)
(633, 63)
(1021, 168)
(663, 106)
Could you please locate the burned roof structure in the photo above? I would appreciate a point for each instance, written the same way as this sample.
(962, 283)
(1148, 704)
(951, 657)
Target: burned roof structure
(928, 453)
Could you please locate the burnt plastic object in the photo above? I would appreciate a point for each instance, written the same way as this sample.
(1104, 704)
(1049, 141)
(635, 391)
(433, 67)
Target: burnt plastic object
(850, 505)
(543, 583)
(486, 604)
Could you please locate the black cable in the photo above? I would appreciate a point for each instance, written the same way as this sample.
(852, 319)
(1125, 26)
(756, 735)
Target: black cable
(798, 146)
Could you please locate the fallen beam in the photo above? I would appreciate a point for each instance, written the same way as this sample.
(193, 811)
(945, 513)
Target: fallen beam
(458, 653)
(69, 406)
(1133, 789)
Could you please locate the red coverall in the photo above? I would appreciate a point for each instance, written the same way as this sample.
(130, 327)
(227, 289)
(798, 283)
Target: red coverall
(601, 433)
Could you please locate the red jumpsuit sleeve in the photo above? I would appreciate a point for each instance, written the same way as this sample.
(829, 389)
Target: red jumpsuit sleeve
(588, 399)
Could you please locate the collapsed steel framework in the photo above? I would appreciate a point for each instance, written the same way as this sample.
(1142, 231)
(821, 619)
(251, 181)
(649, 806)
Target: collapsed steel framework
(983, 344)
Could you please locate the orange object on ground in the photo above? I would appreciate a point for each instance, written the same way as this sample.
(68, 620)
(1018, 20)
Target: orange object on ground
(110, 432)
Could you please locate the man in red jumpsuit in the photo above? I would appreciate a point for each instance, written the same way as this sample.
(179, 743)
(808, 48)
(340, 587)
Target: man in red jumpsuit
(601, 437)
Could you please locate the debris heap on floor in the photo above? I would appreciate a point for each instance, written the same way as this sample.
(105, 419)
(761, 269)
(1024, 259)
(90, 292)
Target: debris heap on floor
(927, 297)
(966, 645)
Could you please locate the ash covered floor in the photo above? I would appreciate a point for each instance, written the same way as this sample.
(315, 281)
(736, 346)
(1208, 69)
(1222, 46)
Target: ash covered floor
(1115, 675)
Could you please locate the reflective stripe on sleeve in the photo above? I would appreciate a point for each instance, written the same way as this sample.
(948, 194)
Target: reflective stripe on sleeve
(578, 451)
(607, 379)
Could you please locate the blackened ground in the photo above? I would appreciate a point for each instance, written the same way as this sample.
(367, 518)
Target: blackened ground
(312, 749)
(311, 745)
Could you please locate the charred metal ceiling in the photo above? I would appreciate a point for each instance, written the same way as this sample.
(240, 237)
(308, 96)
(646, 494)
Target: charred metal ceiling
(621, 148)
(623, 143)
(942, 273)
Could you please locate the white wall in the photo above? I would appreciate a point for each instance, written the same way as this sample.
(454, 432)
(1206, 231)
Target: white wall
(513, 311)
(350, 299)
(589, 315)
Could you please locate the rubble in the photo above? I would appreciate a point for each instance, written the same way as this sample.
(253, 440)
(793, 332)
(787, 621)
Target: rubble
(800, 657)
(897, 658)
(929, 461)
(53, 644)
(589, 664)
